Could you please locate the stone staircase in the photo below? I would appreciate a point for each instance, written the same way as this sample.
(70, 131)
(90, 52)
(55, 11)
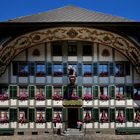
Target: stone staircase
(73, 132)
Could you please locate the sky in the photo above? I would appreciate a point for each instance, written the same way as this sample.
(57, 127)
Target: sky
(10, 9)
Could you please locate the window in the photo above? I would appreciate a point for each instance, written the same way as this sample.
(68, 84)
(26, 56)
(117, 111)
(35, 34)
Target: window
(136, 92)
(104, 117)
(58, 70)
(40, 69)
(72, 93)
(87, 93)
(22, 116)
(4, 116)
(104, 93)
(23, 93)
(119, 70)
(31, 115)
(40, 116)
(23, 69)
(73, 66)
(87, 70)
(87, 50)
(103, 70)
(57, 50)
(120, 92)
(57, 90)
(3, 90)
(72, 50)
(120, 116)
(40, 93)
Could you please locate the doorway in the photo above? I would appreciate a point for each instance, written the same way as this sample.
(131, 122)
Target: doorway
(72, 117)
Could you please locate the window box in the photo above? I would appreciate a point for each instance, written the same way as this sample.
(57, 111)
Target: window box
(57, 74)
(40, 74)
(104, 74)
(40, 97)
(5, 119)
(119, 96)
(88, 74)
(22, 96)
(57, 96)
(4, 97)
(104, 97)
(87, 97)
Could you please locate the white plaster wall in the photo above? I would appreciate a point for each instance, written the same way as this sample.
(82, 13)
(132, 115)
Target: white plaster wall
(49, 125)
(41, 48)
(23, 103)
(103, 103)
(129, 124)
(88, 125)
(112, 102)
(31, 79)
(95, 79)
(112, 125)
(40, 125)
(57, 103)
(57, 80)
(87, 103)
(40, 103)
(102, 58)
(120, 103)
(31, 125)
(13, 102)
(136, 124)
(120, 80)
(13, 124)
(31, 102)
(48, 79)
(95, 102)
(4, 103)
(104, 80)
(129, 102)
(96, 124)
(49, 102)
(112, 79)
(72, 58)
(87, 80)
(57, 58)
(120, 124)
(119, 56)
(4, 77)
(21, 57)
(4, 125)
(13, 78)
(22, 125)
(40, 80)
(58, 125)
(87, 58)
(23, 80)
(48, 51)
(104, 125)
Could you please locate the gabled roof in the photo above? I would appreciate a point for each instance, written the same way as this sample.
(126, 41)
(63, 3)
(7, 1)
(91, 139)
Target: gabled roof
(70, 14)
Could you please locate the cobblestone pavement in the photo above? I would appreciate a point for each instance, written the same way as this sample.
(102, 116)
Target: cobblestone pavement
(87, 137)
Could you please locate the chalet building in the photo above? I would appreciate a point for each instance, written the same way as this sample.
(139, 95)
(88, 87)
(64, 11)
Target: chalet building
(69, 65)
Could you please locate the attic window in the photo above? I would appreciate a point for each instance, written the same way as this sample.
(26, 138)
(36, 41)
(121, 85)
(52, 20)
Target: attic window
(105, 53)
(36, 52)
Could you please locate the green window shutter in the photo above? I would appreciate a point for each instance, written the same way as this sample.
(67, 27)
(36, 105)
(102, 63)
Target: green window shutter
(128, 92)
(31, 115)
(127, 68)
(129, 115)
(80, 91)
(13, 115)
(95, 69)
(65, 92)
(49, 115)
(64, 114)
(79, 69)
(65, 67)
(49, 68)
(112, 91)
(13, 92)
(95, 91)
(81, 114)
(48, 92)
(111, 69)
(112, 115)
(95, 114)
(31, 92)
(32, 68)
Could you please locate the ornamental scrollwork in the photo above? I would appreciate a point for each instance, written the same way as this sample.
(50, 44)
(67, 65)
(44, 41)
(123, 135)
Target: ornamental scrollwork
(10, 49)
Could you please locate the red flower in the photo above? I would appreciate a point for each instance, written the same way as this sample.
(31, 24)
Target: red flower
(104, 97)
(119, 96)
(57, 96)
(87, 97)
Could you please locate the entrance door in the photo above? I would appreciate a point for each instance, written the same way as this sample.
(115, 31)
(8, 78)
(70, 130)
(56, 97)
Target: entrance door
(72, 117)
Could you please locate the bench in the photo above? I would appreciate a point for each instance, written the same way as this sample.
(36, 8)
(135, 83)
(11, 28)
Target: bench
(127, 130)
(6, 131)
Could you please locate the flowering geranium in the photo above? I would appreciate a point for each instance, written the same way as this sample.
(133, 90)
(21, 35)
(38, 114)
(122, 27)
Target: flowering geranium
(119, 96)
(137, 117)
(4, 96)
(104, 97)
(59, 73)
(87, 97)
(57, 119)
(5, 119)
(40, 97)
(104, 117)
(120, 118)
(22, 119)
(57, 96)
(74, 96)
(40, 119)
(87, 118)
(22, 96)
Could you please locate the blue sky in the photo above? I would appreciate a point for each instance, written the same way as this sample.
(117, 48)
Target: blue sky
(129, 9)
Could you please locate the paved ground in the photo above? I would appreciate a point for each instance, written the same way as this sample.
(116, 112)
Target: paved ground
(87, 137)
